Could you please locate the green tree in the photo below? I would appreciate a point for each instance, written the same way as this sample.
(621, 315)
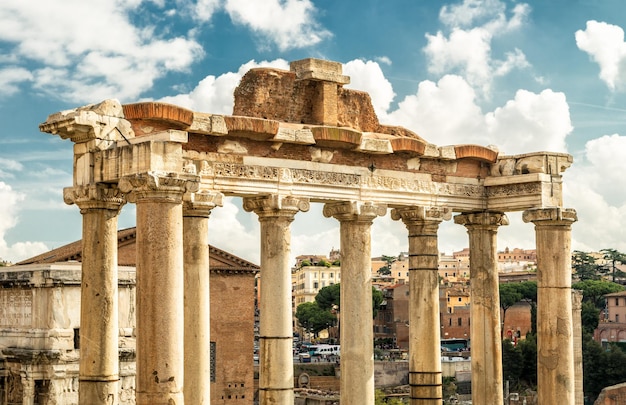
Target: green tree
(528, 351)
(330, 298)
(594, 290)
(602, 367)
(614, 257)
(590, 317)
(509, 296)
(386, 269)
(512, 363)
(314, 319)
(380, 398)
(585, 266)
(324, 263)
(377, 299)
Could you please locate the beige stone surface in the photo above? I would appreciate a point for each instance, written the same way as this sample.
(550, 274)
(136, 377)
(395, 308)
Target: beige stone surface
(555, 329)
(357, 352)
(485, 332)
(425, 374)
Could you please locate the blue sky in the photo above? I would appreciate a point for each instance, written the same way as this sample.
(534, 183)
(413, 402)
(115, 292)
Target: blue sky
(523, 76)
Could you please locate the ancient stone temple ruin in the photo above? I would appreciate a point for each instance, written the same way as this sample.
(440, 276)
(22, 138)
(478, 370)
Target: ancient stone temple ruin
(299, 137)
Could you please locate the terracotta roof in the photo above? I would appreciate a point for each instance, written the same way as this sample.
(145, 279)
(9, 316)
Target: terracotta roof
(219, 260)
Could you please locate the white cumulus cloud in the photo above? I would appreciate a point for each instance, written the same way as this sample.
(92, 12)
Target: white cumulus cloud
(11, 201)
(92, 50)
(605, 45)
(286, 23)
(596, 188)
(467, 50)
(367, 76)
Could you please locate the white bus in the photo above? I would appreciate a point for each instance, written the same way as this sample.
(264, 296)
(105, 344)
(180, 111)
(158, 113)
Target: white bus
(327, 350)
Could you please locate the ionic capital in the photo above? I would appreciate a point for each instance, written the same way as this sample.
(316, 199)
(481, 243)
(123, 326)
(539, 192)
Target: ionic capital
(158, 187)
(410, 215)
(94, 196)
(274, 205)
(484, 219)
(200, 204)
(103, 122)
(354, 210)
(556, 216)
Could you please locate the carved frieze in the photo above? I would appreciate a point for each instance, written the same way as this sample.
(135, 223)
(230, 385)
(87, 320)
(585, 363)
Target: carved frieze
(16, 307)
(325, 178)
(510, 190)
(243, 171)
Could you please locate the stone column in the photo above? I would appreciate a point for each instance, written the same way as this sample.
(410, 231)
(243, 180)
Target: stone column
(555, 341)
(357, 333)
(424, 322)
(196, 210)
(485, 330)
(577, 307)
(99, 326)
(276, 328)
(160, 309)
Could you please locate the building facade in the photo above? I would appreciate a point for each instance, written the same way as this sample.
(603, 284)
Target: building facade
(612, 326)
(40, 320)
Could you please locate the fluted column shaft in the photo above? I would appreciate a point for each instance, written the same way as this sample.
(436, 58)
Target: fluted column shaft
(555, 342)
(276, 321)
(357, 334)
(485, 330)
(160, 280)
(99, 327)
(196, 210)
(577, 307)
(424, 323)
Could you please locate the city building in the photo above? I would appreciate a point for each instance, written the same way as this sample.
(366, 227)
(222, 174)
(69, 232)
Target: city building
(40, 326)
(612, 326)
(312, 273)
(392, 321)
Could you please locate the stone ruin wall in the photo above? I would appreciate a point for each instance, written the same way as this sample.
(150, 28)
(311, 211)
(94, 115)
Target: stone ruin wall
(279, 95)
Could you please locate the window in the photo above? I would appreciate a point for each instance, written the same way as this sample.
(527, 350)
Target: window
(323, 275)
(450, 321)
(316, 285)
(617, 318)
(332, 275)
(76, 338)
(460, 321)
(459, 299)
(616, 302)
